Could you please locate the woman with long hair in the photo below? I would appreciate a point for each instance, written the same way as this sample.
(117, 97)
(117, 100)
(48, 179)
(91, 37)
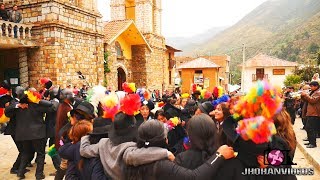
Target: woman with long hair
(221, 113)
(285, 139)
(204, 141)
(153, 134)
(71, 151)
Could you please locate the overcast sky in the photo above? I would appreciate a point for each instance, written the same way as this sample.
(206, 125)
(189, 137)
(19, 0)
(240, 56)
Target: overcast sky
(190, 17)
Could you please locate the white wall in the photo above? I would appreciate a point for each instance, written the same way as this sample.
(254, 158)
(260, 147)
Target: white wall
(276, 80)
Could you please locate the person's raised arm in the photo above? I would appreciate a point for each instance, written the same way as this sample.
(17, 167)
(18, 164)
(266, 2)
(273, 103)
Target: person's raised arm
(139, 156)
(87, 150)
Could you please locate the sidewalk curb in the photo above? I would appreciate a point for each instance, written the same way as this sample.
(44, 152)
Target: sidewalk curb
(311, 159)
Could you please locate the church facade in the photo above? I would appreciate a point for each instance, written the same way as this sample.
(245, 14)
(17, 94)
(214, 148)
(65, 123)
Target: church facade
(137, 51)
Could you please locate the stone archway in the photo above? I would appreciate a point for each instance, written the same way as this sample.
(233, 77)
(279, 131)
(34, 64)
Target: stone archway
(121, 78)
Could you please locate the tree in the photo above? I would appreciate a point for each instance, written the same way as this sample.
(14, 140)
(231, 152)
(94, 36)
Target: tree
(292, 80)
(306, 73)
(313, 48)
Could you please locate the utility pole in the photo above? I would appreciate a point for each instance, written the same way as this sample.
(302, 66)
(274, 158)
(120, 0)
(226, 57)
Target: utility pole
(243, 64)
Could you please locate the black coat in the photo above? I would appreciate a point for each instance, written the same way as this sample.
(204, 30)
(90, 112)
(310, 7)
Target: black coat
(93, 169)
(192, 159)
(50, 120)
(71, 152)
(4, 14)
(140, 120)
(167, 170)
(30, 123)
(11, 125)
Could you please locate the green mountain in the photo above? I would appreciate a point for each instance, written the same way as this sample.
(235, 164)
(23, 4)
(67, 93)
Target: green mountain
(288, 29)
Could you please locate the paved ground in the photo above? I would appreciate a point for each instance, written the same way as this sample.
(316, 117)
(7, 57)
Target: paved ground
(304, 158)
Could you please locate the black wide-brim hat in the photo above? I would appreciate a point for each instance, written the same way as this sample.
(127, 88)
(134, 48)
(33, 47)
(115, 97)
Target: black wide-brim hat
(171, 111)
(123, 129)
(85, 108)
(206, 107)
(101, 126)
(148, 103)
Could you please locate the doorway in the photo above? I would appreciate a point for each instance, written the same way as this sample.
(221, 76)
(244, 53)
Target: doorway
(121, 78)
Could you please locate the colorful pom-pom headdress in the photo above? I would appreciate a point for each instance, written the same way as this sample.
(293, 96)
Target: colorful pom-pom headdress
(33, 96)
(130, 104)
(218, 92)
(110, 105)
(129, 87)
(257, 109)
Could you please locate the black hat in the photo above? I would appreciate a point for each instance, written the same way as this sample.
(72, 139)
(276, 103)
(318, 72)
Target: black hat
(6, 85)
(148, 103)
(123, 129)
(206, 107)
(172, 111)
(4, 99)
(197, 92)
(314, 83)
(101, 126)
(48, 84)
(86, 109)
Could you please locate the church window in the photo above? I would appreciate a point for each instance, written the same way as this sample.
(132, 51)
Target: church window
(118, 49)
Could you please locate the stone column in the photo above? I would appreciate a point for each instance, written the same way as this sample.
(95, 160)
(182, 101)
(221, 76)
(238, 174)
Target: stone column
(23, 67)
(157, 17)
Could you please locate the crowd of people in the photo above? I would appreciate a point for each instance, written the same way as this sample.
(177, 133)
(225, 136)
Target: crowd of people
(133, 134)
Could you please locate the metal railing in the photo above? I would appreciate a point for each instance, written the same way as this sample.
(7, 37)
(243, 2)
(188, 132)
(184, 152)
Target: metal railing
(256, 77)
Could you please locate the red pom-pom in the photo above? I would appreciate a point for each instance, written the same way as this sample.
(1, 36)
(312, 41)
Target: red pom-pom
(3, 91)
(216, 92)
(194, 87)
(44, 80)
(130, 104)
(160, 104)
(1, 111)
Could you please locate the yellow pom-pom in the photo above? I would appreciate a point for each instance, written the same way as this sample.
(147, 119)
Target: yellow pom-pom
(175, 121)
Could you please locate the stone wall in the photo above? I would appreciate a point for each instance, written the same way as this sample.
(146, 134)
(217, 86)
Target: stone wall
(70, 39)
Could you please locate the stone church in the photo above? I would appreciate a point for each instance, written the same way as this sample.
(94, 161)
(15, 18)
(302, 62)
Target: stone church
(60, 38)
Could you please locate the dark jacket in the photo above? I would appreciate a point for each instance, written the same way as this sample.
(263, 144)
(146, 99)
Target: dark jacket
(93, 169)
(313, 103)
(30, 123)
(71, 152)
(62, 120)
(50, 120)
(4, 15)
(192, 159)
(167, 170)
(11, 125)
(175, 139)
(15, 18)
(140, 120)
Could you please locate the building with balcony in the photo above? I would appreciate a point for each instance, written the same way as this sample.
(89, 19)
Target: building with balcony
(266, 67)
(59, 38)
(200, 71)
(56, 39)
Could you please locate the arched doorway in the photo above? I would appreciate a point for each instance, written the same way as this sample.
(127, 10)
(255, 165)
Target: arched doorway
(121, 78)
